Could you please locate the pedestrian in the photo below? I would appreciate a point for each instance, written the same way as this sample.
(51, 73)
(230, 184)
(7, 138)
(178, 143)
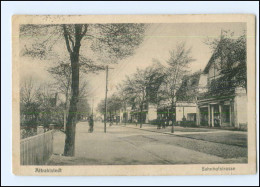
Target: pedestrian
(163, 123)
(184, 121)
(159, 123)
(91, 124)
(216, 121)
(111, 121)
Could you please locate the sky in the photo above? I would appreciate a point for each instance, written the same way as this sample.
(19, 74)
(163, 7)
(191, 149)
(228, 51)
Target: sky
(159, 40)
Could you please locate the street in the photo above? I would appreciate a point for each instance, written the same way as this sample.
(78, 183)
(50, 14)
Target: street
(126, 145)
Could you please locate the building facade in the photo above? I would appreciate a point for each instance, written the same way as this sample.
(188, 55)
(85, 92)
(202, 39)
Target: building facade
(220, 102)
(186, 96)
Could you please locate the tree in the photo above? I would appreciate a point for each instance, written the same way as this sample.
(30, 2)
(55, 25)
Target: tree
(109, 42)
(231, 51)
(83, 108)
(125, 99)
(39, 106)
(136, 87)
(178, 63)
(27, 91)
(155, 75)
(29, 108)
(142, 88)
(50, 112)
(114, 104)
(62, 75)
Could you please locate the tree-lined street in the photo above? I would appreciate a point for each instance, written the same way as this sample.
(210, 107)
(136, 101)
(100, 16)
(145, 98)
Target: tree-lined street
(132, 145)
(159, 111)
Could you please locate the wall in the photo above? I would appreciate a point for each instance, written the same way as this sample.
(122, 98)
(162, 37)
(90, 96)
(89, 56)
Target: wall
(179, 112)
(202, 87)
(152, 113)
(214, 71)
(241, 110)
(121, 115)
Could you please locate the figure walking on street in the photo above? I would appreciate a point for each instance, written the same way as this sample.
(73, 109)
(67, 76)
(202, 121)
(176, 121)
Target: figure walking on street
(159, 123)
(163, 123)
(110, 121)
(91, 124)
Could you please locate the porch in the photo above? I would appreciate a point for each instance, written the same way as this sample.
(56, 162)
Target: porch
(216, 114)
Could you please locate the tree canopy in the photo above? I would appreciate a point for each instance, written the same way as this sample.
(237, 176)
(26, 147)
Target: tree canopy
(86, 46)
(231, 52)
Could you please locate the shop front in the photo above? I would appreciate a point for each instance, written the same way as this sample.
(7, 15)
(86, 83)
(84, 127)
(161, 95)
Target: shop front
(216, 114)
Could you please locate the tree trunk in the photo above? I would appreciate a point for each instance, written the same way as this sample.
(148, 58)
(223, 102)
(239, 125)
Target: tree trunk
(73, 49)
(110, 120)
(141, 117)
(66, 109)
(69, 148)
(173, 107)
(116, 116)
(125, 115)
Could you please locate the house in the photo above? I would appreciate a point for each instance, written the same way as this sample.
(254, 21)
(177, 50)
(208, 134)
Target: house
(186, 102)
(125, 114)
(220, 102)
(186, 99)
(148, 114)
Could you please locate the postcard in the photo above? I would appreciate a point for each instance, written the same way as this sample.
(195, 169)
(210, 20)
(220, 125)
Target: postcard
(133, 95)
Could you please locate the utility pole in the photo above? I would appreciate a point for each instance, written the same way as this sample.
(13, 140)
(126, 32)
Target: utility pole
(126, 115)
(92, 106)
(105, 117)
(173, 113)
(64, 119)
(105, 120)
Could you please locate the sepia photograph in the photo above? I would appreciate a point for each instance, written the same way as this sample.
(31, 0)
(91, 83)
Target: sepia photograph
(134, 95)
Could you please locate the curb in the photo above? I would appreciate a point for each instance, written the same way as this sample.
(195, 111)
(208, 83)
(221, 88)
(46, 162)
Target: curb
(179, 135)
(168, 133)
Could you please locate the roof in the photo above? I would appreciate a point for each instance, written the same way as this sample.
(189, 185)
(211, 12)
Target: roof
(216, 96)
(213, 57)
(210, 62)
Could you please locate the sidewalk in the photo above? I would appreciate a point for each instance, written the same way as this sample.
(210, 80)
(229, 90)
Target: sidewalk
(178, 130)
(228, 137)
(181, 130)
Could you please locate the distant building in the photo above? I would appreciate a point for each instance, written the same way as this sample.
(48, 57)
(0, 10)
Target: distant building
(125, 116)
(186, 99)
(186, 102)
(148, 114)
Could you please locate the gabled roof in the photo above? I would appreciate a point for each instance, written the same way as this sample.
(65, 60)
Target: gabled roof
(211, 61)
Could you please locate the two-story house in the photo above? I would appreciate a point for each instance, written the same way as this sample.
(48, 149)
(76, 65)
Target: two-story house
(220, 103)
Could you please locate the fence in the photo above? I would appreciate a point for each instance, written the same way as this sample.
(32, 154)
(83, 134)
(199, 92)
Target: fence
(36, 150)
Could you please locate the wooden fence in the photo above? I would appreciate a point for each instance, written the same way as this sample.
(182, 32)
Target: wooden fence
(36, 150)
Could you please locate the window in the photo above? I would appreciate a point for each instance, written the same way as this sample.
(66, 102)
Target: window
(226, 113)
(191, 117)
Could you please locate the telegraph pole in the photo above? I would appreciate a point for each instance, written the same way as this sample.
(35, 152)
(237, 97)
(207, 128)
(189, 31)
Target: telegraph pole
(105, 120)
(92, 106)
(105, 117)
(125, 115)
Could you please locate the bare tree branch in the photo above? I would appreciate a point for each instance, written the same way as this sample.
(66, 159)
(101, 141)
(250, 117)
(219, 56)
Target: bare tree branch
(65, 33)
